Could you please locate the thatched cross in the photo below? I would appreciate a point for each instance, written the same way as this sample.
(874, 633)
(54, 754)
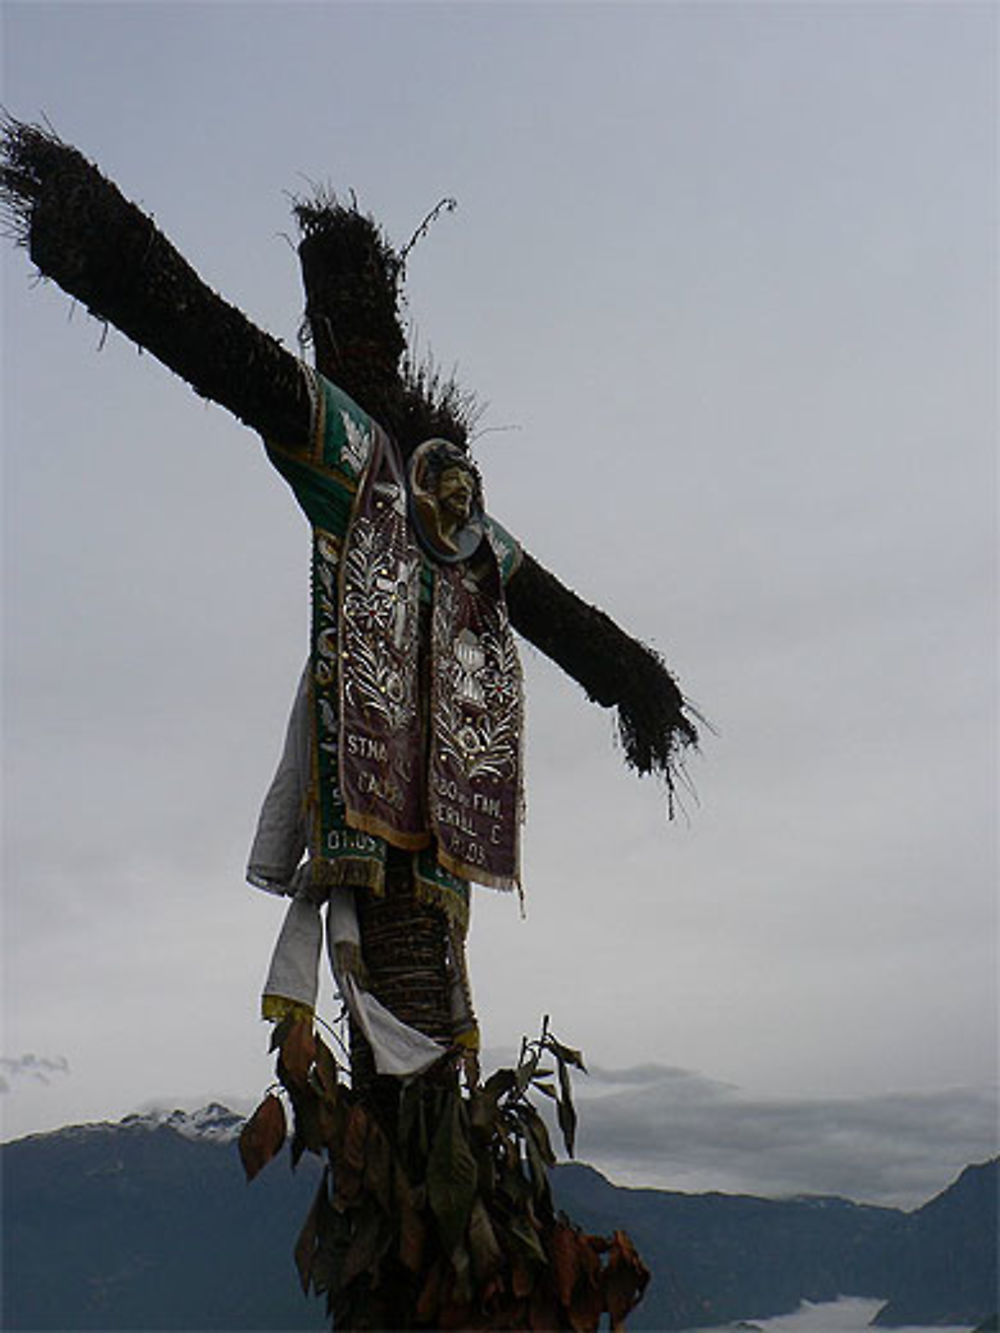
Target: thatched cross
(102, 250)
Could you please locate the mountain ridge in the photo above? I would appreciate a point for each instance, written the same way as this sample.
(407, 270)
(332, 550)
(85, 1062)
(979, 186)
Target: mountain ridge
(147, 1223)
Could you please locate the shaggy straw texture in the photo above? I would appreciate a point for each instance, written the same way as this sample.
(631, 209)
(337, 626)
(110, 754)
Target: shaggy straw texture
(105, 252)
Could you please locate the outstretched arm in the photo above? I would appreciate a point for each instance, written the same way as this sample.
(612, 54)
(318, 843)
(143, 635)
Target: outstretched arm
(614, 669)
(104, 251)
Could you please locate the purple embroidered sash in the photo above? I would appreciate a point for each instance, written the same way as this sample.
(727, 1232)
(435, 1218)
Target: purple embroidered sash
(447, 766)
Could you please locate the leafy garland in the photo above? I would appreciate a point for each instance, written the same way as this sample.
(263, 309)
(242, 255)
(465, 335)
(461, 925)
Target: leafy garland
(437, 1212)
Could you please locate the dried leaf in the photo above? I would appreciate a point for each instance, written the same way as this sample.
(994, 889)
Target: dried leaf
(543, 1311)
(305, 1246)
(262, 1136)
(412, 1231)
(280, 1031)
(326, 1070)
(428, 1302)
(378, 1167)
(371, 1239)
(298, 1051)
(313, 1122)
(349, 1156)
(356, 1137)
(564, 1246)
(522, 1277)
(624, 1279)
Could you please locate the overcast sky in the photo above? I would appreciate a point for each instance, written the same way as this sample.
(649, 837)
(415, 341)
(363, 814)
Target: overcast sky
(726, 276)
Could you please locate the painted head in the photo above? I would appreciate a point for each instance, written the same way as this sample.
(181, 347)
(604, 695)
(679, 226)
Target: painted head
(446, 500)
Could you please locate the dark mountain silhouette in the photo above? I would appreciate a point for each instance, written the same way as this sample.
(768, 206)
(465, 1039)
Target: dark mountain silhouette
(149, 1224)
(719, 1257)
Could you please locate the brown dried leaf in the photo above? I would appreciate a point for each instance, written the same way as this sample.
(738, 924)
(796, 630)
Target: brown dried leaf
(428, 1301)
(298, 1051)
(378, 1167)
(412, 1230)
(262, 1136)
(326, 1070)
(371, 1238)
(624, 1279)
(564, 1246)
(355, 1138)
(543, 1310)
(588, 1301)
(522, 1277)
(305, 1246)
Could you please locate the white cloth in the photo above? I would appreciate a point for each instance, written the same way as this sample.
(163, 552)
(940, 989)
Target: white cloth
(280, 839)
(294, 970)
(276, 865)
(398, 1049)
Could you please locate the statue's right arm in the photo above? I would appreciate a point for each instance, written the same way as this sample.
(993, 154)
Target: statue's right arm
(105, 252)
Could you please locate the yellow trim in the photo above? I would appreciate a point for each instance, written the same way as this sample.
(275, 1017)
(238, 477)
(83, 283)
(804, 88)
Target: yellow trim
(378, 828)
(469, 1039)
(276, 1007)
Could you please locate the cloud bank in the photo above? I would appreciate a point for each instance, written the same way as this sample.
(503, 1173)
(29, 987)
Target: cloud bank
(670, 1128)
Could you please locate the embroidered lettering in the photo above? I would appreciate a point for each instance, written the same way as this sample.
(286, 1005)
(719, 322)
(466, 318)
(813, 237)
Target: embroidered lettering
(365, 747)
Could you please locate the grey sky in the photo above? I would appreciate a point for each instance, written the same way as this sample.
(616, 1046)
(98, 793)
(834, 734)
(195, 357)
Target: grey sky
(729, 272)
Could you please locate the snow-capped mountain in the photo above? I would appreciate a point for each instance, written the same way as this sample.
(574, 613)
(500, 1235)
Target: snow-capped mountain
(213, 1122)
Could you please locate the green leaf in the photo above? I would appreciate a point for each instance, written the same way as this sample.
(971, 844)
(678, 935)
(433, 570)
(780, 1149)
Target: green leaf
(539, 1176)
(567, 1055)
(487, 1257)
(540, 1136)
(565, 1110)
(548, 1088)
(526, 1071)
(451, 1175)
(527, 1238)
(499, 1083)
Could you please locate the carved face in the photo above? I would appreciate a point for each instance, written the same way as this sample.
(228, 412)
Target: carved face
(446, 505)
(455, 491)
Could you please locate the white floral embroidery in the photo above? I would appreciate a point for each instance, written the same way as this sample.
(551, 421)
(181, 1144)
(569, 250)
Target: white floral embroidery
(358, 443)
